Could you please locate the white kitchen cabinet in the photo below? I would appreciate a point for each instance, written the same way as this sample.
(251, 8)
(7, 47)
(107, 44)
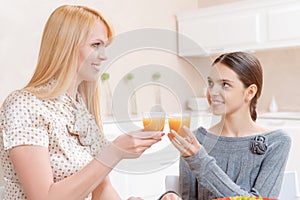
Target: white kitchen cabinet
(243, 25)
(282, 25)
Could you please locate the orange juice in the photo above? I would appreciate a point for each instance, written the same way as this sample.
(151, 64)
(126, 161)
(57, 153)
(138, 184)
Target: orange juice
(154, 121)
(176, 122)
(154, 124)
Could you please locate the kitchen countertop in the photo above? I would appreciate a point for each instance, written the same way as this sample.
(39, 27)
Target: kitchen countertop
(261, 115)
(280, 115)
(134, 118)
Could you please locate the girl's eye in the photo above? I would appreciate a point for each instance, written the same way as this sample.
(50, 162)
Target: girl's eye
(210, 83)
(225, 85)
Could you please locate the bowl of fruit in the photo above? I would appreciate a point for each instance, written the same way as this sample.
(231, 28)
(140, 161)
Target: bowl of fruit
(244, 198)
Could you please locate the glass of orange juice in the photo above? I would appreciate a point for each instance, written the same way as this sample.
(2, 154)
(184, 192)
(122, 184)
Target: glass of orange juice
(177, 120)
(154, 121)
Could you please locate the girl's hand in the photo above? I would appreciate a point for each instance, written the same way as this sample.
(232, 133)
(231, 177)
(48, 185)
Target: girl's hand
(189, 145)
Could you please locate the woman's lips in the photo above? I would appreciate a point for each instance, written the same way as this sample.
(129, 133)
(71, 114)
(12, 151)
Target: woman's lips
(96, 66)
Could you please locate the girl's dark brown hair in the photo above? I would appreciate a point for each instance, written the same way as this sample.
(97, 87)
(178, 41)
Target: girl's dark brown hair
(249, 71)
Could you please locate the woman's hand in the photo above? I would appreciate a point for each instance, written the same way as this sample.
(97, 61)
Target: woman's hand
(134, 198)
(189, 145)
(135, 143)
(127, 146)
(170, 196)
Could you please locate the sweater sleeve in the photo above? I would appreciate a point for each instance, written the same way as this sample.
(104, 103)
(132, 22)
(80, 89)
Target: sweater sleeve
(268, 181)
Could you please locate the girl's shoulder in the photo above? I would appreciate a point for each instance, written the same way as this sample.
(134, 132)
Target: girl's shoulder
(279, 136)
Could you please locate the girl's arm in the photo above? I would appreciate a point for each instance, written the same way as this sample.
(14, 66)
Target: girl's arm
(212, 177)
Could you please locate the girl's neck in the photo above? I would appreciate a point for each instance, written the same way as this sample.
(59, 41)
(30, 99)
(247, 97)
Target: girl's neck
(236, 125)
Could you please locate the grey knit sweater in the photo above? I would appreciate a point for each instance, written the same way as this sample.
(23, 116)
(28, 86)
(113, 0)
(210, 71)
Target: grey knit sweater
(229, 166)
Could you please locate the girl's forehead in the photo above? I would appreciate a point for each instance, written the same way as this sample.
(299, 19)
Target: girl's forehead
(221, 71)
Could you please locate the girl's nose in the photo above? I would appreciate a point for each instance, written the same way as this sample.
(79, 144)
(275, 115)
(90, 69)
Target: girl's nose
(215, 90)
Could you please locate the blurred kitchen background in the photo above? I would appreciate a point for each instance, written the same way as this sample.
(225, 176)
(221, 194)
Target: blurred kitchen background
(22, 23)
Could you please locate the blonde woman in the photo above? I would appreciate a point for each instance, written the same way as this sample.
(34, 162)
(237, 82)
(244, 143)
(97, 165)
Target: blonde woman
(52, 144)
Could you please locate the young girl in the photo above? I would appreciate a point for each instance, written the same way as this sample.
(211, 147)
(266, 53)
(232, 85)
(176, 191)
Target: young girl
(51, 142)
(235, 157)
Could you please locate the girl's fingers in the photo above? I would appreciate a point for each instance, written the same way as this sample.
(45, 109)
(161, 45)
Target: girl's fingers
(180, 139)
(176, 143)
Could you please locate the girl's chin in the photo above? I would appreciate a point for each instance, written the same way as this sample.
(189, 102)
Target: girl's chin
(218, 111)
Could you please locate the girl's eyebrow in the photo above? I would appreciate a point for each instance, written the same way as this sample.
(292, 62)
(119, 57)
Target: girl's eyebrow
(226, 80)
(221, 80)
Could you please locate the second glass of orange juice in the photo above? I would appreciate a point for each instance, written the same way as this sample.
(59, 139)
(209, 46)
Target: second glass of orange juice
(154, 121)
(177, 120)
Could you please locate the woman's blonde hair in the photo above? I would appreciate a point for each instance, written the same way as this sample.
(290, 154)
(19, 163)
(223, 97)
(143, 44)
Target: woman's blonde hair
(67, 27)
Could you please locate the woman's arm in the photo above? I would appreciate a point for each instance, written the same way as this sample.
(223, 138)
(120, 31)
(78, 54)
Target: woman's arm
(32, 165)
(33, 169)
(105, 191)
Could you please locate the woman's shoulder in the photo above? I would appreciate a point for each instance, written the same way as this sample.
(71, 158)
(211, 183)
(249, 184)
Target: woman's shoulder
(19, 98)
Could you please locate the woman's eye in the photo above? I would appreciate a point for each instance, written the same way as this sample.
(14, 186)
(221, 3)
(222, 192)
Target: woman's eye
(97, 45)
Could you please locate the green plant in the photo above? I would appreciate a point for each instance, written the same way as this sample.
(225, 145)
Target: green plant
(156, 76)
(105, 76)
(129, 76)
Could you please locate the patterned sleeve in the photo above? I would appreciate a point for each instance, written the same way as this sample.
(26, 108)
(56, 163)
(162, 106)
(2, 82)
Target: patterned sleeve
(23, 123)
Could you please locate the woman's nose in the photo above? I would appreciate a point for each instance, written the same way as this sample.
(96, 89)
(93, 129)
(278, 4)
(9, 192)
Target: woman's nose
(102, 54)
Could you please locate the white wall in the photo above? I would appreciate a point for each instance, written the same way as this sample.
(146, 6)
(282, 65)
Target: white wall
(22, 22)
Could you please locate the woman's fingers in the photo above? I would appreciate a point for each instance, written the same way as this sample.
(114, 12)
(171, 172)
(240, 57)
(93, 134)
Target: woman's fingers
(133, 146)
(147, 134)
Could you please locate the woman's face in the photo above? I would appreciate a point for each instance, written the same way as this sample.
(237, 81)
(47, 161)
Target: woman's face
(92, 53)
(226, 93)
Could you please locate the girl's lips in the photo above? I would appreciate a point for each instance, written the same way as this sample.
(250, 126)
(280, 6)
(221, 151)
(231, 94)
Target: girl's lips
(217, 102)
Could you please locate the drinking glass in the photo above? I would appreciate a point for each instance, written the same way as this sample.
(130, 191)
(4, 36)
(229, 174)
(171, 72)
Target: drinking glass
(177, 120)
(154, 121)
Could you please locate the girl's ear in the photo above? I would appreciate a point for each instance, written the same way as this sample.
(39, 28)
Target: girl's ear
(208, 97)
(250, 92)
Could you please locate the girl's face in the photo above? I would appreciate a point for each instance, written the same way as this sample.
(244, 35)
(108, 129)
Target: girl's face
(92, 53)
(226, 93)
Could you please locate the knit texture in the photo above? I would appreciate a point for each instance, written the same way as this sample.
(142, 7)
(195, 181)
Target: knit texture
(226, 166)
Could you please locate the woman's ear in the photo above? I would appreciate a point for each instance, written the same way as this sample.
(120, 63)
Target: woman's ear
(251, 92)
